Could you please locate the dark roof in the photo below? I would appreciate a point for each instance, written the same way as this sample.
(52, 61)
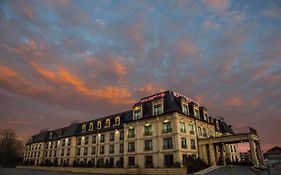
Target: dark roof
(275, 149)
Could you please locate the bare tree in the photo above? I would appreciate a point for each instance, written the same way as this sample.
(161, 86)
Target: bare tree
(11, 148)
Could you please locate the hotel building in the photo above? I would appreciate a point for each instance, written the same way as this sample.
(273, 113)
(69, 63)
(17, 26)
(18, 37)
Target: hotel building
(160, 130)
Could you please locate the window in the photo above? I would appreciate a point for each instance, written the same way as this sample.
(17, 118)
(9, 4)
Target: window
(137, 114)
(91, 127)
(63, 142)
(69, 142)
(86, 141)
(84, 128)
(191, 129)
(78, 151)
(107, 123)
(131, 161)
(68, 152)
(117, 121)
(121, 135)
(148, 129)
(205, 116)
(167, 127)
(111, 137)
(131, 132)
(148, 145)
(85, 151)
(102, 138)
(185, 109)
(93, 151)
(121, 150)
(131, 146)
(148, 161)
(183, 143)
(168, 143)
(196, 113)
(50, 135)
(204, 132)
(199, 131)
(79, 141)
(157, 109)
(99, 124)
(94, 139)
(182, 127)
(101, 149)
(192, 143)
(184, 159)
(168, 160)
(62, 152)
(111, 149)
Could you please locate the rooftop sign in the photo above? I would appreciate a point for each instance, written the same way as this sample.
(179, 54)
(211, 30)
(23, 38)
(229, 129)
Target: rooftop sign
(186, 98)
(151, 98)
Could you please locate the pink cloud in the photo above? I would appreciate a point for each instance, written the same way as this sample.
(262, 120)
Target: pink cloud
(186, 47)
(218, 5)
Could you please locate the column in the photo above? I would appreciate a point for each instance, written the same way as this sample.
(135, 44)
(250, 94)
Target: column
(253, 151)
(259, 153)
(212, 154)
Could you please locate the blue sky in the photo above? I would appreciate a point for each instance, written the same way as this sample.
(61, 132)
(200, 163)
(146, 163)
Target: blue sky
(65, 60)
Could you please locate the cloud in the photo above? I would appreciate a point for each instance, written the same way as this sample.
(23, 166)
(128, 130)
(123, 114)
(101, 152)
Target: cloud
(273, 12)
(186, 47)
(217, 5)
(233, 101)
(19, 122)
(210, 25)
(119, 68)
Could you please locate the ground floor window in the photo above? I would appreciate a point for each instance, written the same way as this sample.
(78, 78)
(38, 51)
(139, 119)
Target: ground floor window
(184, 159)
(168, 160)
(148, 162)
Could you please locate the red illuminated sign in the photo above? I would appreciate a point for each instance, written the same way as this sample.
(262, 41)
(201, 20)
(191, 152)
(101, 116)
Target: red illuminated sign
(186, 98)
(150, 98)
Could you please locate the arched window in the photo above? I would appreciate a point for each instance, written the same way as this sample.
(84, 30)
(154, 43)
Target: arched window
(91, 127)
(117, 121)
(83, 128)
(107, 123)
(99, 124)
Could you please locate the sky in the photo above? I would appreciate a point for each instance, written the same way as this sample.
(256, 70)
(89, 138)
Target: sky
(63, 60)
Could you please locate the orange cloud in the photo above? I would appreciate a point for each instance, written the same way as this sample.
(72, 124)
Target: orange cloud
(186, 47)
(218, 5)
(150, 88)
(233, 101)
(119, 68)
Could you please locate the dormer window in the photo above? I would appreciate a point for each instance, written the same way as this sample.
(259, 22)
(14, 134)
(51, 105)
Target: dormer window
(84, 128)
(107, 123)
(185, 109)
(50, 135)
(157, 109)
(196, 113)
(99, 124)
(137, 113)
(205, 116)
(117, 121)
(91, 127)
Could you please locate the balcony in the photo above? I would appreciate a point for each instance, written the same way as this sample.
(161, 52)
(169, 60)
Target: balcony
(168, 130)
(131, 135)
(191, 132)
(167, 146)
(148, 133)
(150, 148)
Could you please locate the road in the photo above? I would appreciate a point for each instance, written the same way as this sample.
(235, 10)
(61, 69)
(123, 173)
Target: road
(237, 170)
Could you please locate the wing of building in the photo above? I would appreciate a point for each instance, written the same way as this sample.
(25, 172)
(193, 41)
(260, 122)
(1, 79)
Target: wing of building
(160, 130)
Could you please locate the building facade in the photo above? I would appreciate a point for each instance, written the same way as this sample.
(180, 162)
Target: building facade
(160, 130)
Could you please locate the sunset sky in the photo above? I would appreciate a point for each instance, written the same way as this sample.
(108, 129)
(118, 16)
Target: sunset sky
(66, 60)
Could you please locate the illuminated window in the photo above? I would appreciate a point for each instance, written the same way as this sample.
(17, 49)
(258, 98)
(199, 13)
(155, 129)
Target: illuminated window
(91, 127)
(107, 123)
(117, 121)
(50, 135)
(157, 109)
(185, 109)
(182, 127)
(196, 113)
(84, 128)
(205, 116)
(191, 129)
(131, 132)
(167, 126)
(99, 124)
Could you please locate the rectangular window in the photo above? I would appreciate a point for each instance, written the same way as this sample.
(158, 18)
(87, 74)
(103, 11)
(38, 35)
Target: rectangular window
(63, 142)
(148, 145)
(182, 127)
(148, 162)
(121, 135)
(191, 129)
(94, 139)
(157, 109)
(167, 127)
(111, 149)
(168, 143)
(168, 160)
(121, 150)
(183, 143)
(184, 159)
(192, 143)
(148, 130)
(93, 151)
(185, 109)
(102, 138)
(62, 152)
(131, 146)
(199, 131)
(111, 137)
(137, 114)
(85, 151)
(101, 149)
(79, 141)
(78, 151)
(131, 161)
(68, 152)
(86, 140)
(69, 142)
(204, 132)
(131, 133)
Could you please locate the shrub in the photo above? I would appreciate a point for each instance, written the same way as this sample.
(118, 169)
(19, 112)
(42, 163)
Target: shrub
(195, 164)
